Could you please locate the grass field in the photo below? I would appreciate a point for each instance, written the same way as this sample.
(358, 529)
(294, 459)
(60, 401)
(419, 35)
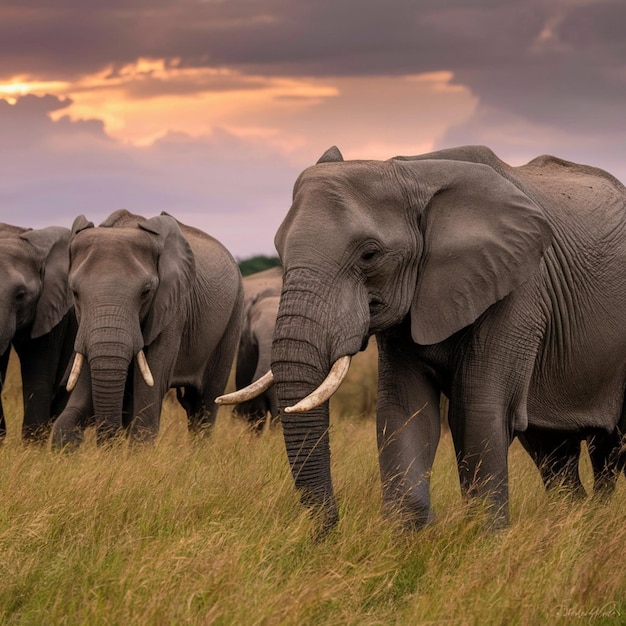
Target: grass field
(211, 532)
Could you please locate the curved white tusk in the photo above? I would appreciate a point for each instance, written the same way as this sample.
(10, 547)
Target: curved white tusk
(79, 359)
(248, 393)
(328, 387)
(144, 368)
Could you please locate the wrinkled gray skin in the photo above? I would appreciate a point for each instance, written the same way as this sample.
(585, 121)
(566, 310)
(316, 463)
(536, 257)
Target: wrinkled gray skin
(502, 287)
(261, 298)
(157, 285)
(36, 318)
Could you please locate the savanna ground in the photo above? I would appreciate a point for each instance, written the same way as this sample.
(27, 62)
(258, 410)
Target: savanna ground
(211, 532)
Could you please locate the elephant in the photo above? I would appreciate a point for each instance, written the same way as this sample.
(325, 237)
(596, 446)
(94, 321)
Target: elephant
(37, 320)
(261, 298)
(502, 287)
(158, 305)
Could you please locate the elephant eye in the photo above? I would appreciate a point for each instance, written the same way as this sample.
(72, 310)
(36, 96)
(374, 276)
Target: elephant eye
(20, 295)
(146, 291)
(369, 255)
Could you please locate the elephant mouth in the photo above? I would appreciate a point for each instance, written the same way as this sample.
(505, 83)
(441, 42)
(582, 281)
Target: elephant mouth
(79, 361)
(317, 397)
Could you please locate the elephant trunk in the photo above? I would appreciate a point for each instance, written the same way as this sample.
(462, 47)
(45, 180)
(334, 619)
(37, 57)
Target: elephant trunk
(306, 434)
(108, 381)
(315, 328)
(110, 343)
(300, 362)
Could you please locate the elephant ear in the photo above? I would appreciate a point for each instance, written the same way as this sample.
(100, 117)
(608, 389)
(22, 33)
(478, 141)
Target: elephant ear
(483, 237)
(52, 248)
(332, 155)
(177, 270)
(80, 223)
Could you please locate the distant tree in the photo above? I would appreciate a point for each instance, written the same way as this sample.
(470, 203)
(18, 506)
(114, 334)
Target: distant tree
(257, 264)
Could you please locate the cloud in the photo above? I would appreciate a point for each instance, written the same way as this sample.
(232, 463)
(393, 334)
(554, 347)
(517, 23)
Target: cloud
(209, 109)
(516, 140)
(236, 190)
(554, 62)
(293, 37)
(232, 180)
(280, 37)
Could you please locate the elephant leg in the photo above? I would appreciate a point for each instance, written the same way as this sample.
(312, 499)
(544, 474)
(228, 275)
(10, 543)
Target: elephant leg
(556, 456)
(65, 333)
(145, 408)
(481, 439)
(4, 363)
(38, 363)
(144, 427)
(273, 404)
(203, 410)
(254, 412)
(198, 416)
(408, 430)
(608, 459)
(68, 428)
(147, 401)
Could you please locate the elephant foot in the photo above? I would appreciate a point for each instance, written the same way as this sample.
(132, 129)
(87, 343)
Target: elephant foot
(140, 436)
(410, 515)
(493, 514)
(256, 422)
(201, 424)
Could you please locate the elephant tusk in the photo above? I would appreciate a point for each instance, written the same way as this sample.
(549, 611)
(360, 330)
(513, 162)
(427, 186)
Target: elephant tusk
(144, 369)
(77, 366)
(248, 393)
(328, 387)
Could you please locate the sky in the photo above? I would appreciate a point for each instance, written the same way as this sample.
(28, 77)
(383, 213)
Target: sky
(209, 109)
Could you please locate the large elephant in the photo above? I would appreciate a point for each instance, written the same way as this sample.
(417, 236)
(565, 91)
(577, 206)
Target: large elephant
(37, 319)
(158, 305)
(503, 287)
(261, 299)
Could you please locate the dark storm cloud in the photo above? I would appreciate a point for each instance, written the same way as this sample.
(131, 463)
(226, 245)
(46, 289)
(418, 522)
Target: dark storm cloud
(548, 61)
(66, 38)
(281, 36)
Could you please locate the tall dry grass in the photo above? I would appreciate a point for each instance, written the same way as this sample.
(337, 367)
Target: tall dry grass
(211, 532)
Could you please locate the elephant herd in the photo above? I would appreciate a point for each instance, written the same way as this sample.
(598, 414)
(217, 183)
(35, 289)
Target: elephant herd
(105, 320)
(502, 288)
(119, 314)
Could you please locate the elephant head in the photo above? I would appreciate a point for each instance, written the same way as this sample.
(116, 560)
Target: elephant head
(370, 245)
(129, 277)
(34, 295)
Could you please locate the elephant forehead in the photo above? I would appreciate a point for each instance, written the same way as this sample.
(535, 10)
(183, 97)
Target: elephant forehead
(131, 253)
(341, 204)
(10, 244)
(15, 251)
(121, 242)
(338, 183)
